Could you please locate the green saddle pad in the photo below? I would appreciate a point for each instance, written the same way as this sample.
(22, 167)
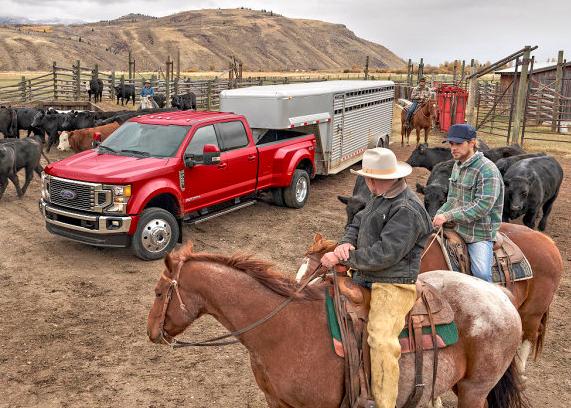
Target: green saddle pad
(448, 333)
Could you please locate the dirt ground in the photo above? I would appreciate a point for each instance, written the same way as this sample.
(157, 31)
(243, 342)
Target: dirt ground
(73, 317)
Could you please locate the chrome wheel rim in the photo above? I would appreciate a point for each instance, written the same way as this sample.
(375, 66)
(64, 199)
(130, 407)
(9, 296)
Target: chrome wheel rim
(301, 189)
(156, 235)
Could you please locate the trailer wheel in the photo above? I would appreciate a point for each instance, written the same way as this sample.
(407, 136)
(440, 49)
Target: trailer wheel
(156, 235)
(297, 193)
(278, 196)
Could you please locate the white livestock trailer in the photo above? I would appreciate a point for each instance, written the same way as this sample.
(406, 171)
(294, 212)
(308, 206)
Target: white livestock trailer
(347, 117)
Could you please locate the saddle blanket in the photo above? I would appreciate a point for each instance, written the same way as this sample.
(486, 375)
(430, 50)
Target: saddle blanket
(446, 334)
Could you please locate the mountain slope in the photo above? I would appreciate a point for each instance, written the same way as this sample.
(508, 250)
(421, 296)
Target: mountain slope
(206, 39)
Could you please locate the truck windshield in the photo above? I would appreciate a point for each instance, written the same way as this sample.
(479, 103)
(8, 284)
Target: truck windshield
(146, 140)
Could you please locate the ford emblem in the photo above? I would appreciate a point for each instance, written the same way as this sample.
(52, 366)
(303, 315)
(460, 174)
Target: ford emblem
(67, 194)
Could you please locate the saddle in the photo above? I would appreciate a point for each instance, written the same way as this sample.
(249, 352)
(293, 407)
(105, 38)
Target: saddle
(352, 304)
(506, 255)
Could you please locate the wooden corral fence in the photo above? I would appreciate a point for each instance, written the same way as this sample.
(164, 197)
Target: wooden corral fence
(545, 110)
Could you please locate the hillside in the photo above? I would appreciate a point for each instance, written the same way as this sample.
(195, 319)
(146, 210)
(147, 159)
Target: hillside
(206, 38)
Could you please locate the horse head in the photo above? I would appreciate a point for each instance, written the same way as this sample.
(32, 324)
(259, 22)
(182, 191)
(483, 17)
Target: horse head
(313, 255)
(172, 312)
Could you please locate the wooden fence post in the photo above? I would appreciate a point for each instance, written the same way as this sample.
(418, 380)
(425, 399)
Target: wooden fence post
(209, 95)
(77, 81)
(557, 86)
(23, 89)
(472, 88)
(112, 90)
(130, 66)
(177, 79)
(521, 96)
(462, 72)
(367, 68)
(167, 82)
(420, 70)
(122, 87)
(54, 73)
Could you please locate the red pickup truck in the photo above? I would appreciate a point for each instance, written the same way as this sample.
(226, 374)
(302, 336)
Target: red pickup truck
(160, 170)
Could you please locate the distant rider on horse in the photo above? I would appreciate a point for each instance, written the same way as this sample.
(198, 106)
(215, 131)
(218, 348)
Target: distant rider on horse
(420, 94)
(147, 94)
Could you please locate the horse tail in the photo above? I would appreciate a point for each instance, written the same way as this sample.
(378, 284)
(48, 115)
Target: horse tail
(538, 348)
(508, 392)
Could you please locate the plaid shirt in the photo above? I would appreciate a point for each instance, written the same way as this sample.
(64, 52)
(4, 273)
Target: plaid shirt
(475, 199)
(420, 94)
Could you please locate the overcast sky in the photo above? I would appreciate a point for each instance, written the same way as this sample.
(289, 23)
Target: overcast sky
(437, 30)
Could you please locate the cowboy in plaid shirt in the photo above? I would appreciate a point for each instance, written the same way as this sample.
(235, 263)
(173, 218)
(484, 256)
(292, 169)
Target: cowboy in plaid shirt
(475, 199)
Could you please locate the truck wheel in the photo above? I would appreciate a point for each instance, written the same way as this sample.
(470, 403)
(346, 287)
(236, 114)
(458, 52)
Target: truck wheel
(297, 193)
(278, 196)
(156, 235)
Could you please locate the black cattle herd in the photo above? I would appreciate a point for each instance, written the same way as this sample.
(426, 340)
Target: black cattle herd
(532, 182)
(43, 128)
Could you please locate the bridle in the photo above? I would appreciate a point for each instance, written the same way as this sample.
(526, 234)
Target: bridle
(220, 340)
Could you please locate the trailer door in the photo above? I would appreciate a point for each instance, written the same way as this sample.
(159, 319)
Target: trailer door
(338, 128)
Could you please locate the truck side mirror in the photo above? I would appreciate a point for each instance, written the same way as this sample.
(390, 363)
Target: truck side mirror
(210, 154)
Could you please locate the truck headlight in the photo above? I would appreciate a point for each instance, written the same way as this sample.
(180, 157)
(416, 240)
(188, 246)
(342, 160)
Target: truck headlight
(121, 196)
(45, 179)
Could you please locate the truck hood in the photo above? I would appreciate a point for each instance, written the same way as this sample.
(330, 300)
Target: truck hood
(108, 168)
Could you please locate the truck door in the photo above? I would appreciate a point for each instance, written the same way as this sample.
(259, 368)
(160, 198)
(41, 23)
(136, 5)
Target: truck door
(203, 183)
(240, 156)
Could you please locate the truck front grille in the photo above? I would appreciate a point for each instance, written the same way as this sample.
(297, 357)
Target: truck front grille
(72, 194)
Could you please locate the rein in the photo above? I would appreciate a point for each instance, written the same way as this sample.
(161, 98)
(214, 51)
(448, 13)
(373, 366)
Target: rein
(220, 340)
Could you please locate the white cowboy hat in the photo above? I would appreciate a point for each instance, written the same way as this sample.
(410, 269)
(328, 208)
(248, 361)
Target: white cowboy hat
(380, 163)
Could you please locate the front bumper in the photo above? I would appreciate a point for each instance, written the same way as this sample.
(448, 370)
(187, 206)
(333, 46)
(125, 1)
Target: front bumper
(98, 230)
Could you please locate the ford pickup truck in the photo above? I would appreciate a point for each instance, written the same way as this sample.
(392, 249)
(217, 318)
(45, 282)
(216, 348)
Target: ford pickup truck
(157, 171)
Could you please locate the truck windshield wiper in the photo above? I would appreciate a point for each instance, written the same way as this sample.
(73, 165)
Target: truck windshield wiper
(146, 154)
(107, 148)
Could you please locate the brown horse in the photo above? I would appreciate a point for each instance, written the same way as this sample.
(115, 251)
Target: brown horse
(422, 119)
(291, 354)
(532, 297)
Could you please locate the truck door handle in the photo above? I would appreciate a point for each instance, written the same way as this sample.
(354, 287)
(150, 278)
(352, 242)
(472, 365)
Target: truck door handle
(252, 157)
(222, 165)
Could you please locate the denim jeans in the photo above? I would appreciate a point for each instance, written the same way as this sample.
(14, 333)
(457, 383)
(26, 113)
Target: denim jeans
(481, 259)
(411, 110)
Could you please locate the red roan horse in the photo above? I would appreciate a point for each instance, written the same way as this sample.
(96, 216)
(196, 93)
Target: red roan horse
(291, 353)
(422, 119)
(532, 297)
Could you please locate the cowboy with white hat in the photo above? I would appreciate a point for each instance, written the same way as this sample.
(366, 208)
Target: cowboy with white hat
(147, 96)
(384, 243)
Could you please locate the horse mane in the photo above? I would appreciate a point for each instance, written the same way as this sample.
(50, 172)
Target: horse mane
(262, 271)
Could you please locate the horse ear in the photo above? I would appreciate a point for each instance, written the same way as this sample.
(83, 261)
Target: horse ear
(170, 262)
(317, 237)
(419, 188)
(343, 199)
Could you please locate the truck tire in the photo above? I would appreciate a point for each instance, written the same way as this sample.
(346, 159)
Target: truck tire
(278, 196)
(297, 193)
(156, 235)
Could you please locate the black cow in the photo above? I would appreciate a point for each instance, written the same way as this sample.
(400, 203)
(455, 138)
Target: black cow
(28, 152)
(122, 117)
(498, 153)
(184, 102)
(355, 203)
(95, 89)
(531, 185)
(504, 164)
(50, 122)
(8, 168)
(25, 119)
(8, 122)
(125, 92)
(436, 189)
(428, 157)
(78, 120)
(160, 100)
